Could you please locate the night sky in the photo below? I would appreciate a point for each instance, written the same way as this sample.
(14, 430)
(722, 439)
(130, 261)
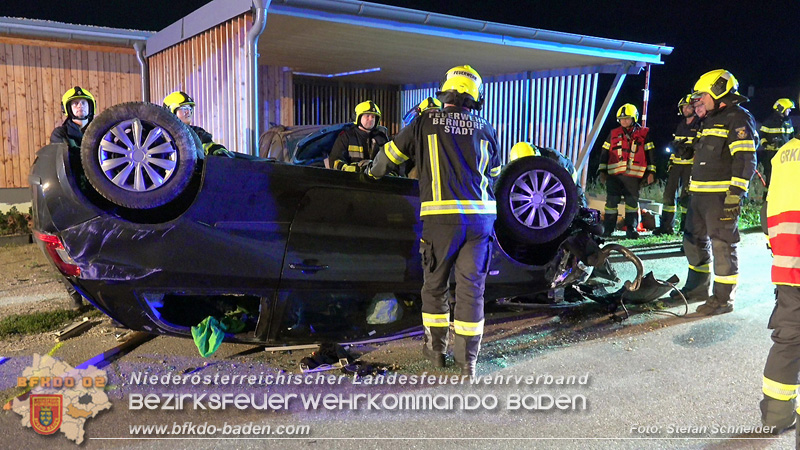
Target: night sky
(756, 40)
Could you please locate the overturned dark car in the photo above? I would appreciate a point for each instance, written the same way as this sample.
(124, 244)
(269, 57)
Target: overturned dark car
(159, 237)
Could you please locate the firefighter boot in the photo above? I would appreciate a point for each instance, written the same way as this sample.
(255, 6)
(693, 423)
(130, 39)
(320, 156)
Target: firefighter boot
(435, 344)
(696, 287)
(778, 414)
(609, 224)
(667, 224)
(714, 306)
(465, 353)
(631, 223)
(721, 302)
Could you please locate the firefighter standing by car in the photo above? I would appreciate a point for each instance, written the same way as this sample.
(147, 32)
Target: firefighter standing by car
(780, 383)
(680, 167)
(776, 130)
(724, 162)
(79, 106)
(456, 152)
(356, 146)
(625, 164)
(180, 104)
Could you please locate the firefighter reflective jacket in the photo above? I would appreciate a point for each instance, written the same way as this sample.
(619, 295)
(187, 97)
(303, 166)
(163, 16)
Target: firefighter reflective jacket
(456, 153)
(683, 140)
(783, 215)
(724, 152)
(627, 152)
(209, 146)
(776, 131)
(354, 144)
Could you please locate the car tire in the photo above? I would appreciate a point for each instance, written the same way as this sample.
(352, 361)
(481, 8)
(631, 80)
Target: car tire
(139, 155)
(536, 200)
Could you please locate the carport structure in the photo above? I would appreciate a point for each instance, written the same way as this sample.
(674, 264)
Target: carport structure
(297, 62)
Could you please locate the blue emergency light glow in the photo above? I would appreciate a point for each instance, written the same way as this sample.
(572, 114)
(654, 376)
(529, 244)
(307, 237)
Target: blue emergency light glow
(341, 74)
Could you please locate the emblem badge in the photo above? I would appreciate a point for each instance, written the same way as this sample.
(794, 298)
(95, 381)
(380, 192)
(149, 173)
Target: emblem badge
(45, 413)
(741, 133)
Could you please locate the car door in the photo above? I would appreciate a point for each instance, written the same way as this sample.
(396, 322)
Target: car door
(353, 247)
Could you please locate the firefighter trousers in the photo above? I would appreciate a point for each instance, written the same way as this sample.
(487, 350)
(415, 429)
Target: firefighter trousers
(678, 179)
(783, 362)
(467, 249)
(618, 186)
(706, 235)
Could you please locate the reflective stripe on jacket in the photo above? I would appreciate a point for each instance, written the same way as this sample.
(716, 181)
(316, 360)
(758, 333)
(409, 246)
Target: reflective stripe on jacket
(776, 130)
(456, 152)
(724, 152)
(683, 139)
(783, 215)
(627, 152)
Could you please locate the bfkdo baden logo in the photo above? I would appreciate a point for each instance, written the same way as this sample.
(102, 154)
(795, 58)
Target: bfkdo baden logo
(60, 398)
(46, 413)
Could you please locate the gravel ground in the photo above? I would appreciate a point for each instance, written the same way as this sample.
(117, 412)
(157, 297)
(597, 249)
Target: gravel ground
(652, 370)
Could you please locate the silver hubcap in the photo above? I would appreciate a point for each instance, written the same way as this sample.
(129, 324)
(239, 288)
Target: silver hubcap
(137, 156)
(538, 199)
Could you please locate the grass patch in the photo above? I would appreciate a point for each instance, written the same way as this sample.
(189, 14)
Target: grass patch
(39, 322)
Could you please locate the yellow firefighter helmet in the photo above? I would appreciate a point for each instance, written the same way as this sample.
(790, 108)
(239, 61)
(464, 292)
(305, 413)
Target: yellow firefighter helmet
(367, 107)
(464, 80)
(522, 149)
(177, 99)
(717, 84)
(76, 93)
(628, 110)
(782, 105)
(429, 103)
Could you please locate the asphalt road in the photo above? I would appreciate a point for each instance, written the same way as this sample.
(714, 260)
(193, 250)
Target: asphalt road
(651, 381)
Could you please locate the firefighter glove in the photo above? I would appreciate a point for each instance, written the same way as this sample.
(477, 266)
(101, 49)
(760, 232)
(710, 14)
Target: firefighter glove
(731, 208)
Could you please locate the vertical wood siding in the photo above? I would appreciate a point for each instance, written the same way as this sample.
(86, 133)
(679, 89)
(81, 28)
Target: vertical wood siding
(212, 68)
(276, 94)
(319, 102)
(554, 112)
(34, 74)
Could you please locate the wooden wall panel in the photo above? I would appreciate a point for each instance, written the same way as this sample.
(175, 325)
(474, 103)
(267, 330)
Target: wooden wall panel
(34, 74)
(212, 68)
(277, 96)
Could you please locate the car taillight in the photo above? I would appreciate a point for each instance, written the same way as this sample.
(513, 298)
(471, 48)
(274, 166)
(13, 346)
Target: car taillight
(55, 249)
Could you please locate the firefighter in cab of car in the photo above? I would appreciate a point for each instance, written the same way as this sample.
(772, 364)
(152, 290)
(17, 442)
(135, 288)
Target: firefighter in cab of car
(79, 106)
(782, 369)
(357, 145)
(625, 163)
(456, 153)
(724, 162)
(180, 104)
(680, 167)
(776, 130)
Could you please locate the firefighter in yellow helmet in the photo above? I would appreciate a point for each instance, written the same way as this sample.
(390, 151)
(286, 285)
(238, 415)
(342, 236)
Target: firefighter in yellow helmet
(456, 153)
(626, 163)
(776, 130)
(680, 166)
(182, 105)
(79, 106)
(781, 371)
(357, 145)
(724, 162)
(416, 111)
